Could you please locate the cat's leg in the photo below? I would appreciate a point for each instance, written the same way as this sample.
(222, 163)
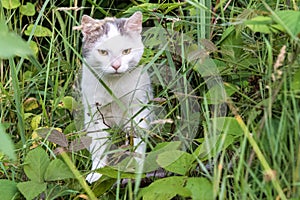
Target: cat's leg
(97, 148)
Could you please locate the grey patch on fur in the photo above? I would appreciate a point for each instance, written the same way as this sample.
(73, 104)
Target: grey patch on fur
(101, 27)
(119, 23)
(91, 38)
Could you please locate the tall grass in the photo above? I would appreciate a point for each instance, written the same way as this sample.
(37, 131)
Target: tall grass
(235, 113)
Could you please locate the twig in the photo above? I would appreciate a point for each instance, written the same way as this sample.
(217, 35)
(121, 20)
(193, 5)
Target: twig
(101, 114)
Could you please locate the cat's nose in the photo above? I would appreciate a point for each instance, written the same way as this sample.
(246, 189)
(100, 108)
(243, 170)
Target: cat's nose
(116, 64)
(116, 67)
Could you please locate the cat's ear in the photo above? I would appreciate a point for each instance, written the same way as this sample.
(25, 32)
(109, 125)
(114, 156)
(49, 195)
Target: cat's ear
(88, 25)
(134, 23)
(86, 20)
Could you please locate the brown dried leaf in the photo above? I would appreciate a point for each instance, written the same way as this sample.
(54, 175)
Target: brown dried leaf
(270, 175)
(208, 45)
(53, 135)
(80, 143)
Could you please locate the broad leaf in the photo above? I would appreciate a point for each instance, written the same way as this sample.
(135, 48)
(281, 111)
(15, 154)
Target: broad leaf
(295, 86)
(150, 163)
(231, 44)
(103, 185)
(261, 24)
(58, 170)
(36, 163)
(39, 31)
(6, 144)
(201, 188)
(80, 143)
(15, 43)
(8, 189)
(35, 121)
(228, 128)
(290, 20)
(53, 135)
(10, 4)
(166, 188)
(69, 103)
(227, 125)
(30, 104)
(213, 145)
(219, 93)
(28, 9)
(176, 161)
(114, 173)
(34, 47)
(31, 189)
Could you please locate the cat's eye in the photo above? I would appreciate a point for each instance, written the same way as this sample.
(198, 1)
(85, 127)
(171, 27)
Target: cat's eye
(103, 52)
(126, 51)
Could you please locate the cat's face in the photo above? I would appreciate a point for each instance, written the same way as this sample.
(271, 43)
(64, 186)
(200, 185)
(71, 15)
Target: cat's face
(112, 46)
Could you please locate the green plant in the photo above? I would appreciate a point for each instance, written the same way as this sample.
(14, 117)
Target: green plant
(235, 63)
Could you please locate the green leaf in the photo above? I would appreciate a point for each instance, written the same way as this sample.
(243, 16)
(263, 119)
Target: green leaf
(6, 144)
(10, 4)
(176, 161)
(31, 189)
(166, 188)
(227, 125)
(150, 163)
(58, 170)
(295, 86)
(15, 43)
(103, 185)
(231, 44)
(213, 145)
(289, 20)
(226, 33)
(201, 188)
(39, 31)
(30, 104)
(36, 163)
(114, 173)
(34, 47)
(35, 121)
(219, 93)
(28, 9)
(69, 103)
(261, 24)
(229, 130)
(8, 189)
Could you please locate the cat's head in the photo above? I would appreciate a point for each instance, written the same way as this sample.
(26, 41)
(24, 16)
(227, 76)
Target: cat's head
(112, 46)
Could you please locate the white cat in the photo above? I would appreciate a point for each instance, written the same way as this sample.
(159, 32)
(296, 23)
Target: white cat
(112, 49)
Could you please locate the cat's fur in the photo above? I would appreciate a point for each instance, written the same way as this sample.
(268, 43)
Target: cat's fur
(112, 48)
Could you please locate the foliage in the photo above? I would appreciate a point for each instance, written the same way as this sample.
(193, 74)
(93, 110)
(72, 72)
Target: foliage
(226, 77)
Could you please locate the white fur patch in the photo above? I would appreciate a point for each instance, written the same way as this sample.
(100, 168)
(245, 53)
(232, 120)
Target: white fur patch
(113, 31)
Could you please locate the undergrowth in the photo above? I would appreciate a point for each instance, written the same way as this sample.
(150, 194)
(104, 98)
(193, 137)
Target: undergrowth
(226, 78)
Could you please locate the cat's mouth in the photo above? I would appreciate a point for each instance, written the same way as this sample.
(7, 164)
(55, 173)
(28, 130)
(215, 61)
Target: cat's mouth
(116, 73)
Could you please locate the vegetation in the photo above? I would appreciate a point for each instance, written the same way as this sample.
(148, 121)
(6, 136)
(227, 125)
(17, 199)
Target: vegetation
(226, 77)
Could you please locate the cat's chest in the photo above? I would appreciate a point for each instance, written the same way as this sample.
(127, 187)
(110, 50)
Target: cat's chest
(126, 88)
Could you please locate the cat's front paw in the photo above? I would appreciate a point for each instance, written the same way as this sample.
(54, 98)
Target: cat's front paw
(92, 177)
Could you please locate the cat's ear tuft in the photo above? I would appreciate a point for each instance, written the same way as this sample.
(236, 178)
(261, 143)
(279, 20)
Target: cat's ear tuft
(134, 23)
(86, 20)
(89, 25)
(86, 24)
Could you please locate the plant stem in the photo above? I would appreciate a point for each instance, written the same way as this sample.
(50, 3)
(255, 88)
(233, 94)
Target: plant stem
(77, 174)
(258, 152)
